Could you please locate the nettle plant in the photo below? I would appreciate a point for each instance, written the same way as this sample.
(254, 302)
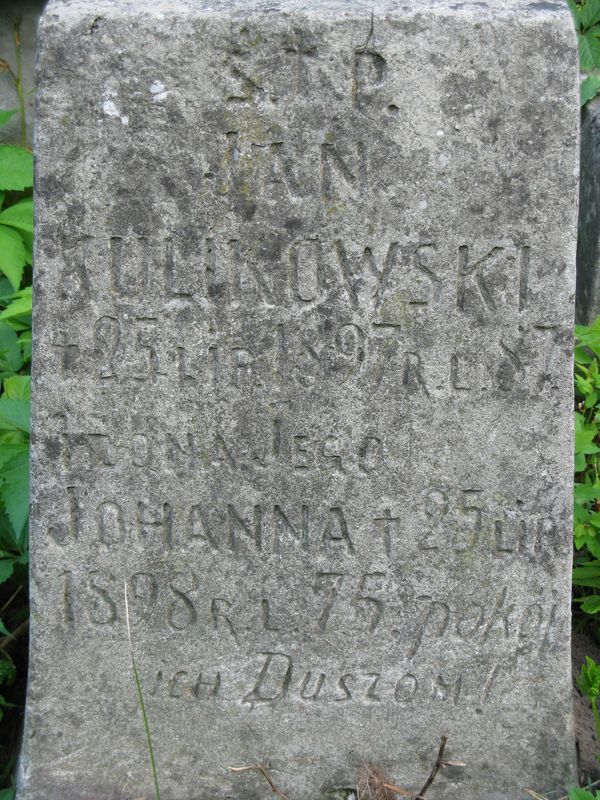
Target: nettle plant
(16, 245)
(583, 794)
(586, 573)
(16, 255)
(586, 17)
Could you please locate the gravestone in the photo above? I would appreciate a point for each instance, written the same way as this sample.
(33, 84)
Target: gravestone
(304, 299)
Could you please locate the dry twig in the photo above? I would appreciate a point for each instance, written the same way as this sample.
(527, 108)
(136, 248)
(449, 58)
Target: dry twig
(11, 598)
(264, 773)
(373, 786)
(6, 641)
(439, 763)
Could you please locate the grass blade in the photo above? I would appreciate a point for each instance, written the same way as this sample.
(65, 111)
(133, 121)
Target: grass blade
(138, 686)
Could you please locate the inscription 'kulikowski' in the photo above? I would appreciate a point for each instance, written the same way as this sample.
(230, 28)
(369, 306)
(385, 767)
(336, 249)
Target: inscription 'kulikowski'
(477, 278)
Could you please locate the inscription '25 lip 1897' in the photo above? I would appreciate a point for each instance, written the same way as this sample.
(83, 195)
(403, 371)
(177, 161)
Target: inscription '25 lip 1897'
(302, 375)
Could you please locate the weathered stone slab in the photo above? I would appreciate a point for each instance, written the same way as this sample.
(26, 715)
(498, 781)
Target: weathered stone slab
(305, 282)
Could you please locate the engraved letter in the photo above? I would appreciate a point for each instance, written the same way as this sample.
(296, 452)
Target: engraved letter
(336, 530)
(273, 680)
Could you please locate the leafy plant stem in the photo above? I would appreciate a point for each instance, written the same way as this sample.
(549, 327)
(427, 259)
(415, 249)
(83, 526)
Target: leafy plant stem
(19, 82)
(10, 599)
(596, 717)
(138, 686)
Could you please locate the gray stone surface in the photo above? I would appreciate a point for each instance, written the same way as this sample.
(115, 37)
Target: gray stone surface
(304, 299)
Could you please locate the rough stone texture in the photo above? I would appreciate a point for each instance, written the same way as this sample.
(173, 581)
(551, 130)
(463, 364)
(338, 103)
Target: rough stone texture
(304, 300)
(588, 244)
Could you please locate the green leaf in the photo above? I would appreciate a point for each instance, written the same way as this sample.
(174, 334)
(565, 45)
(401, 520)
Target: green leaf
(591, 604)
(593, 545)
(20, 306)
(4, 118)
(574, 794)
(8, 794)
(582, 356)
(14, 492)
(581, 534)
(25, 343)
(8, 542)
(592, 567)
(8, 673)
(579, 462)
(594, 520)
(575, 13)
(6, 292)
(589, 679)
(581, 512)
(589, 49)
(592, 399)
(6, 568)
(15, 414)
(9, 450)
(584, 385)
(16, 168)
(28, 245)
(590, 86)
(581, 331)
(12, 255)
(587, 575)
(584, 440)
(19, 215)
(18, 387)
(583, 491)
(590, 13)
(11, 358)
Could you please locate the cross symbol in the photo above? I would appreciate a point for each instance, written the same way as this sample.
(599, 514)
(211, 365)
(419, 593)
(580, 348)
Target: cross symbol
(383, 523)
(298, 43)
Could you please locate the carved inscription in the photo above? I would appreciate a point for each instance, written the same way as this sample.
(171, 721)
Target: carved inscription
(486, 278)
(293, 431)
(454, 522)
(377, 359)
(366, 606)
(275, 444)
